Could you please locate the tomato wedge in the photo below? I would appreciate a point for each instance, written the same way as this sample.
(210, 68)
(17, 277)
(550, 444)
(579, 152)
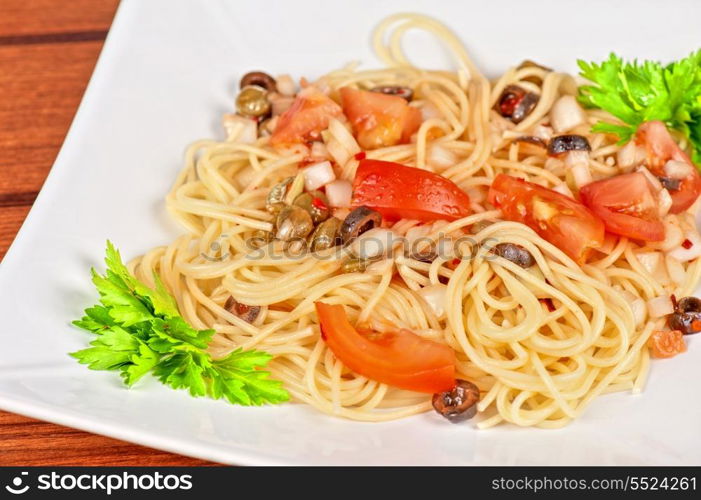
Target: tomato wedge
(309, 114)
(660, 148)
(378, 119)
(627, 206)
(401, 359)
(562, 221)
(398, 191)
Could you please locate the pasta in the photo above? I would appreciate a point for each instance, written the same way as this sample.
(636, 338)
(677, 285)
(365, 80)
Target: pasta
(540, 342)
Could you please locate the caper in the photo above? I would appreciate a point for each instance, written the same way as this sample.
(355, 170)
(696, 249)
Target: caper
(316, 203)
(326, 234)
(403, 92)
(355, 265)
(516, 103)
(260, 238)
(516, 254)
(259, 79)
(276, 197)
(458, 403)
(566, 143)
(358, 221)
(246, 313)
(253, 101)
(293, 223)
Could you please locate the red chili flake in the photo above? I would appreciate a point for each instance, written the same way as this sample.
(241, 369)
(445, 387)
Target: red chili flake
(360, 156)
(548, 303)
(687, 244)
(319, 203)
(454, 263)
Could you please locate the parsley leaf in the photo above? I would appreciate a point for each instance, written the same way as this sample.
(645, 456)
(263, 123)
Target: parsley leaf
(637, 92)
(139, 331)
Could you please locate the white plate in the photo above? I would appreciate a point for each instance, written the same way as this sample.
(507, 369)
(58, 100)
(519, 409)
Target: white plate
(167, 73)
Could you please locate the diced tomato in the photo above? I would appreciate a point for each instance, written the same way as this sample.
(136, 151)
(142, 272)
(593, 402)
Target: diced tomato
(398, 191)
(564, 222)
(309, 114)
(627, 205)
(378, 119)
(660, 148)
(666, 343)
(401, 359)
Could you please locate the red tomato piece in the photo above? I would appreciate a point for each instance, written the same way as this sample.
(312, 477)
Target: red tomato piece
(398, 191)
(378, 119)
(559, 219)
(401, 359)
(627, 205)
(309, 115)
(660, 148)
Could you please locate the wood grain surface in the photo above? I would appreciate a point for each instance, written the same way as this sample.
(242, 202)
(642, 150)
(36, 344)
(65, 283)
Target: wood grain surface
(48, 49)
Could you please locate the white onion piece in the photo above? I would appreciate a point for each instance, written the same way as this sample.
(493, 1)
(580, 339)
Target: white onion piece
(429, 111)
(280, 103)
(566, 114)
(339, 193)
(630, 156)
(440, 157)
(476, 194)
(677, 169)
(650, 261)
(344, 136)
(339, 154)
(652, 179)
(285, 85)
(675, 270)
(578, 163)
(543, 132)
(686, 254)
(664, 202)
(375, 243)
(435, 297)
(317, 175)
(319, 151)
(637, 305)
(660, 306)
(673, 235)
(240, 129)
(563, 189)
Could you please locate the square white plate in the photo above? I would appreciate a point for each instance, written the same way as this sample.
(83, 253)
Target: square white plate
(167, 73)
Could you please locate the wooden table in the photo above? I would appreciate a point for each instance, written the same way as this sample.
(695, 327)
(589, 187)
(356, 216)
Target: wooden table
(48, 49)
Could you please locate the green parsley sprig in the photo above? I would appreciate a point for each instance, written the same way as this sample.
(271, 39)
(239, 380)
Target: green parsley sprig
(139, 330)
(640, 92)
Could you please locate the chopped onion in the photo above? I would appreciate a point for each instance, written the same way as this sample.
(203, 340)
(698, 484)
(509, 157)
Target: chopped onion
(630, 156)
(664, 202)
(675, 270)
(649, 260)
(240, 129)
(435, 297)
(339, 193)
(660, 306)
(285, 85)
(375, 243)
(578, 163)
(476, 194)
(280, 103)
(317, 175)
(429, 111)
(654, 181)
(686, 254)
(319, 151)
(677, 169)
(637, 305)
(566, 114)
(543, 131)
(673, 235)
(563, 189)
(440, 157)
(337, 151)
